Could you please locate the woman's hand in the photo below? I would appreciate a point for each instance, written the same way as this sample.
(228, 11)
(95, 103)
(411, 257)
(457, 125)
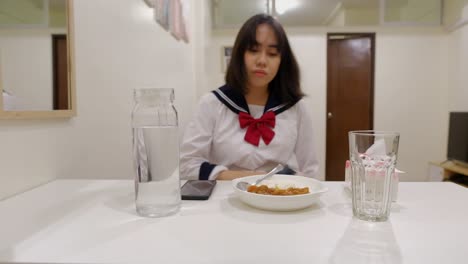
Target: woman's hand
(228, 175)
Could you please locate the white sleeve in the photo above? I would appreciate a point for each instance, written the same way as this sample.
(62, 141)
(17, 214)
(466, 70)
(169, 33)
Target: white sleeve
(196, 144)
(305, 147)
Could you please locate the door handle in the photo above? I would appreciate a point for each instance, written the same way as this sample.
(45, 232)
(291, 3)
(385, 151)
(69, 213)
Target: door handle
(329, 115)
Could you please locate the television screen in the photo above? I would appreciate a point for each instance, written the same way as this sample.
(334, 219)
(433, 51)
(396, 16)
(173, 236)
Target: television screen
(458, 137)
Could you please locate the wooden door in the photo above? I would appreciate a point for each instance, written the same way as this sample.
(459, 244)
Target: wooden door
(350, 92)
(60, 72)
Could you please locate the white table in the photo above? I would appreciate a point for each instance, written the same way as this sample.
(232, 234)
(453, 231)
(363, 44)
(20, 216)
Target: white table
(94, 221)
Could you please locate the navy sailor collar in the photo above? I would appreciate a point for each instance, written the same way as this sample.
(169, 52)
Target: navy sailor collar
(235, 101)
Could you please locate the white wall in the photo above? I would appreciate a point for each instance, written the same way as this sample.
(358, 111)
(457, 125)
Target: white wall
(411, 93)
(26, 69)
(458, 71)
(118, 47)
(31, 153)
(411, 97)
(115, 54)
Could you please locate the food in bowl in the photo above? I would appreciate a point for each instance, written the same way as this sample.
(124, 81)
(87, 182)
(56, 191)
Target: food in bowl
(281, 203)
(264, 189)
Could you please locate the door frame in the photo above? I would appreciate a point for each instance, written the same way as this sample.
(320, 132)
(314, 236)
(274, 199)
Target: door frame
(372, 36)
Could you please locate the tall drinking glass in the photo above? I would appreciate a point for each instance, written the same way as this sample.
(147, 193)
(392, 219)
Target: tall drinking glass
(373, 156)
(156, 152)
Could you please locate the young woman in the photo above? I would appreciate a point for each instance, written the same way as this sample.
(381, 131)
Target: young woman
(257, 119)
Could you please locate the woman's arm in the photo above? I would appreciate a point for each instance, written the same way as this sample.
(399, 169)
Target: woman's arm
(196, 144)
(305, 147)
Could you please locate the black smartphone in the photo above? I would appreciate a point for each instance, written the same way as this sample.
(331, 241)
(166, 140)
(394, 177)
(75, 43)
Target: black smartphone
(287, 170)
(197, 189)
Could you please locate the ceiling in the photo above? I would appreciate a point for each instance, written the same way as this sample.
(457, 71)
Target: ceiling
(31, 12)
(308, 12)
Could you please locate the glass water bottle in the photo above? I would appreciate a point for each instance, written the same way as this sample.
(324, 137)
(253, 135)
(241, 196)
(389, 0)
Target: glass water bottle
(156, 152)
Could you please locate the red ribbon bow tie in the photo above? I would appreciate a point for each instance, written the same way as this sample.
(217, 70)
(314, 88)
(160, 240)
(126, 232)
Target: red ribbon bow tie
(261, 127)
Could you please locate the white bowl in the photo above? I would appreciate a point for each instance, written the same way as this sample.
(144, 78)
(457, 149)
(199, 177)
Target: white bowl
(281, 202)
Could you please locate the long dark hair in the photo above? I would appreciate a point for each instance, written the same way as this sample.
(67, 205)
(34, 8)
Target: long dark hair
(286, 84)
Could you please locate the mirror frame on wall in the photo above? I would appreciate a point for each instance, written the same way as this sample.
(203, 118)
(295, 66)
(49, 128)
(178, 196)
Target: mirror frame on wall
(71, 112)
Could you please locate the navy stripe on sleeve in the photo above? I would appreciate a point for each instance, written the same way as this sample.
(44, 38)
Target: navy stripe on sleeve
(205, 170)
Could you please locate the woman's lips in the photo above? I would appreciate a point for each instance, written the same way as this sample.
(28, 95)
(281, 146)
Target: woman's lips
(260, 73)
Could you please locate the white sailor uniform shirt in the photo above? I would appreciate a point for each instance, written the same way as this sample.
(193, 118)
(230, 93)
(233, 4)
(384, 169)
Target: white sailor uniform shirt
(214, 140)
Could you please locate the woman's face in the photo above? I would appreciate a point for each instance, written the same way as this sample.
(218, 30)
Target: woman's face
(262, 60)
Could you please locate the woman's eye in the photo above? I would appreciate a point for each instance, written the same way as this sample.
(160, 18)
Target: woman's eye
(273, 54)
